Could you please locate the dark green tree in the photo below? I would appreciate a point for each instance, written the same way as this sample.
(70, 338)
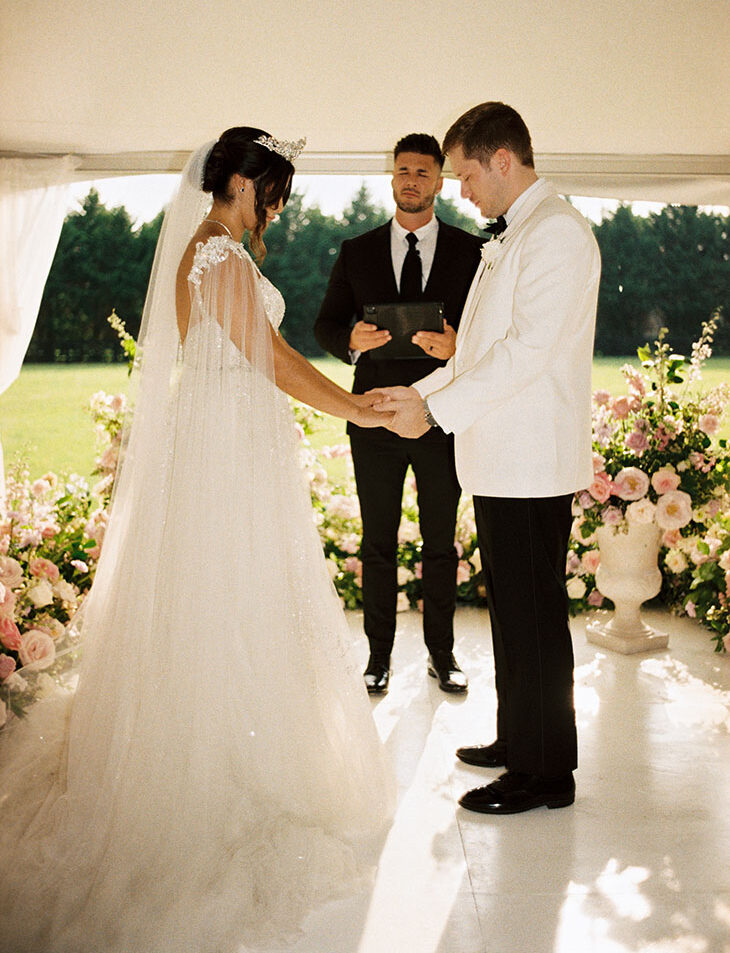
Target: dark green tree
(100, 263)
(670, 269)
(448, 212)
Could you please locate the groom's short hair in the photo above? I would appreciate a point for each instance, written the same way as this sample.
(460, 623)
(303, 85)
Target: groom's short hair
(423, 144)
(487, 127)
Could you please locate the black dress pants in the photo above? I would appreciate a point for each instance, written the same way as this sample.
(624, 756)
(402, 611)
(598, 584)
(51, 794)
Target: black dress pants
(523, 544)
(381, 459)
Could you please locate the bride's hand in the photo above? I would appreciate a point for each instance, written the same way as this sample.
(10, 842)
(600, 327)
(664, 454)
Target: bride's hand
(364, 415)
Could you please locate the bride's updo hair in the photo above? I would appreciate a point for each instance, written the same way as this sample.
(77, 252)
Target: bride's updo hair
(237, 152)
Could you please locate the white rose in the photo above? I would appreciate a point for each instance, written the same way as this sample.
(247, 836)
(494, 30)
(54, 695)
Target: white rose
(41, 594)
(675, 561)
(44, 686)
(576, 587)
(404, 575)
(476, 560)
(642, 511)
(53, 627)
(65, 591)
(15, 683)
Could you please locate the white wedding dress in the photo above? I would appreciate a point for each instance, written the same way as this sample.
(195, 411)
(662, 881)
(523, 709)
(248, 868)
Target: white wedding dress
(218, 772)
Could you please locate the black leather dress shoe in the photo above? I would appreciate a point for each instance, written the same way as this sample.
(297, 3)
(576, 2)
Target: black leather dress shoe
(484, 756)
(514, 792)
(377, 675)
(443, 666)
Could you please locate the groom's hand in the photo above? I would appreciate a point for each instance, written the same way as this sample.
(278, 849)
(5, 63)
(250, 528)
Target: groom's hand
(406, 404)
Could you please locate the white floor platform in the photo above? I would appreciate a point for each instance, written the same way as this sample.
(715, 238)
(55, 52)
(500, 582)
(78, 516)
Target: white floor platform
(639, 864)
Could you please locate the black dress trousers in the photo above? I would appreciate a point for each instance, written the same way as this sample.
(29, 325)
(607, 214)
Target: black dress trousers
(381, 459)
(523, 544)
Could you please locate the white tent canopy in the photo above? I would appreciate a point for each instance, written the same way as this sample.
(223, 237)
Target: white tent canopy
(624, 98)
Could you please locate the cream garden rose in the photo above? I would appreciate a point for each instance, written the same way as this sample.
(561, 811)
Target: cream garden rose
(37, 650)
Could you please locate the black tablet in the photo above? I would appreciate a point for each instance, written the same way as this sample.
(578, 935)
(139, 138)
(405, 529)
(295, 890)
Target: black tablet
(403, 319)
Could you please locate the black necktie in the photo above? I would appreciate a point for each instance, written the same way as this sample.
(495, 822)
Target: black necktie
(410, 276)
(497, 227)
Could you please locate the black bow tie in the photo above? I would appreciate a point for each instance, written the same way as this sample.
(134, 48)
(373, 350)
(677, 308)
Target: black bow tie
(497, 227)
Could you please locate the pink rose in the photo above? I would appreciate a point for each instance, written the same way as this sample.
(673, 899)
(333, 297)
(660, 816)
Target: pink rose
(691, 609)
(637, 441)
(713, 508)
(40, 487)
(590, 561)
(418, 570)
(620, 407)
(7, 601)
(9, 634)
(601, 487)
(595, 599)
(671, 537)
(674, 510)
(44, 569)
(37, 649)
(631, 483)
(585, 500)
(601, 398)
(612, 516)
(665, 480)
(7, 666)
(11, 572)
(463, 572)
(724, 560)
(572, 563)
(709, 423)
(599, 462)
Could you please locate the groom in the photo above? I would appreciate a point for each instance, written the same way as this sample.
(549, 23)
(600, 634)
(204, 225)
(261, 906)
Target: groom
(517, 396)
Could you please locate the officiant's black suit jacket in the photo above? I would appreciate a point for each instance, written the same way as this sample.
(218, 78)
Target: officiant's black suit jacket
(363, 274)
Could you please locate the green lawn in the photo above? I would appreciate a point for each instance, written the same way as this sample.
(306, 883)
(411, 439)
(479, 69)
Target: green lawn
(44, 420)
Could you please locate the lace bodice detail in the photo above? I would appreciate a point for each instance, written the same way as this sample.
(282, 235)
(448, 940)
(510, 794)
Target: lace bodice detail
(216, 249)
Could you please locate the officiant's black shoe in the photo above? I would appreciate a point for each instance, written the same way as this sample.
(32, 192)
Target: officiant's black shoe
(514, 792)
(484, 756)
(377, 674)
(443, 666)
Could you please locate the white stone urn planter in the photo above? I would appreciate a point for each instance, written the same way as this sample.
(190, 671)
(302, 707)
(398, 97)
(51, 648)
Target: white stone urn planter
(628, 575)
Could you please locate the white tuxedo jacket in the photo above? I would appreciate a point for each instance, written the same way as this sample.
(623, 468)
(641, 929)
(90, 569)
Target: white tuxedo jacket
(517, 392)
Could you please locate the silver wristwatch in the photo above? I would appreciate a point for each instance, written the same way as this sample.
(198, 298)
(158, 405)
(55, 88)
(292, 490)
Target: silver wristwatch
(430, 419)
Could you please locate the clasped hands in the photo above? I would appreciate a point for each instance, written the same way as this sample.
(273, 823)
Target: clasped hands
(399, 409)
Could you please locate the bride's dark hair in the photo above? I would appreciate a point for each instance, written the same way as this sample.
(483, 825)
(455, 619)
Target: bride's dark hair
(237, 152)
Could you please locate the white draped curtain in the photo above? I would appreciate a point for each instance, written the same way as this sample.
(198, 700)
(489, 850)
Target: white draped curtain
(33, 201)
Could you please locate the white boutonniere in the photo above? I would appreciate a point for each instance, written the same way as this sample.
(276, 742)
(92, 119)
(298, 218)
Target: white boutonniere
(491, 252)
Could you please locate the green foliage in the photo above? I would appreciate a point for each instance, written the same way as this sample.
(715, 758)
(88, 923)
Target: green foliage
(100, 263)
(671, 269)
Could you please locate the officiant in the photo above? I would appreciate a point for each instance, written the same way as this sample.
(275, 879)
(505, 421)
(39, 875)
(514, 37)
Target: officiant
(413, 258)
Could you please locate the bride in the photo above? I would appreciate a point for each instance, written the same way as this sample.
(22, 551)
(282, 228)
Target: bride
(217, 772)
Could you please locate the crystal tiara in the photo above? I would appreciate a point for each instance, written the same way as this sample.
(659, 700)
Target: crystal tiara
(289, 149)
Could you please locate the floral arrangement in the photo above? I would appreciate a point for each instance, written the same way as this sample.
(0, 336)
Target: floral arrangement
(337, 515)
(656, 461)
(655, 456)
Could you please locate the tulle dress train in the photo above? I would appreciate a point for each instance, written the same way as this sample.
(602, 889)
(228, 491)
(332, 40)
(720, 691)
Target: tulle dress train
(217, 772)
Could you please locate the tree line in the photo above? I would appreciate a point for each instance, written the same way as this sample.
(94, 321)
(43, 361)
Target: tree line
(669, 269)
